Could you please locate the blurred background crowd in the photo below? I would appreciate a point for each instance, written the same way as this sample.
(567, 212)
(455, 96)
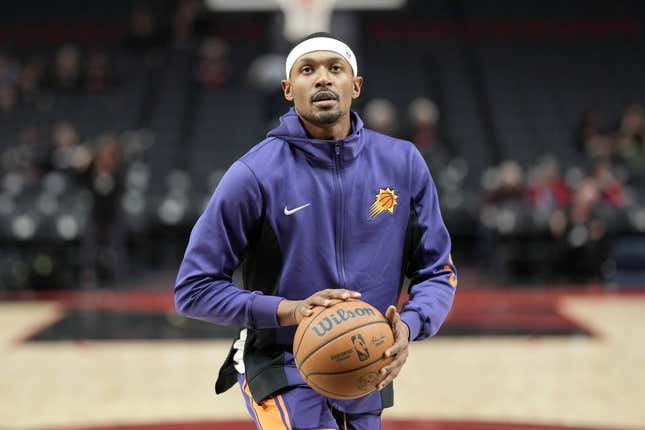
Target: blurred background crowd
(117, 121)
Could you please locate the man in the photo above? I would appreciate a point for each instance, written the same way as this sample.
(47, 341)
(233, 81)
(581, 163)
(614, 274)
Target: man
(322, 209)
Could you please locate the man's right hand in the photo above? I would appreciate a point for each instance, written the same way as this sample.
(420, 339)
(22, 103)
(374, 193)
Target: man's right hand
(291, 312)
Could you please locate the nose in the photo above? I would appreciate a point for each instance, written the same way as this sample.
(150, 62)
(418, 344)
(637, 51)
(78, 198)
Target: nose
(323, 79)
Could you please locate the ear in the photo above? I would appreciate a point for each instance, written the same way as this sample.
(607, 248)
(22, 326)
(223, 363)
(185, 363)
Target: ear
(287, 89)
(357, 85)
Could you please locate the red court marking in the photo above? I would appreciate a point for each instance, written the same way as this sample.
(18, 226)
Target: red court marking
(485, 308)
(516, 300)
(387, 425)
(37, 328)
(152, 301)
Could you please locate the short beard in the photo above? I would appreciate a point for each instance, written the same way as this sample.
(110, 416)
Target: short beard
(322, 118)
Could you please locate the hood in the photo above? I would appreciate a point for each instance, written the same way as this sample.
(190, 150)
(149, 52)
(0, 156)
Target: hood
(292, 131)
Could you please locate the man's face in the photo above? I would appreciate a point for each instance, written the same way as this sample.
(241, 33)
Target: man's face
(322, 86)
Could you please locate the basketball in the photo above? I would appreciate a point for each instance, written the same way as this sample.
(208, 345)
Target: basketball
(386, 201)
(339, 350)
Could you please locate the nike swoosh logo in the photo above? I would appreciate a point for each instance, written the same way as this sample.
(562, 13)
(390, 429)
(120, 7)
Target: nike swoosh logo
(294, 210)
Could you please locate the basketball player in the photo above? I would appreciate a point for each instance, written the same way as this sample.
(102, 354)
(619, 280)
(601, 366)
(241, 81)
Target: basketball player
(322, 209)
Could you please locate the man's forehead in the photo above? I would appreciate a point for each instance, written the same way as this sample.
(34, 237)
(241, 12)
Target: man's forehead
(321, 56)
(321, 49)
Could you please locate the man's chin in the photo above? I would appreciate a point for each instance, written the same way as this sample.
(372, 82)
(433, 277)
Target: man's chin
(326, 117)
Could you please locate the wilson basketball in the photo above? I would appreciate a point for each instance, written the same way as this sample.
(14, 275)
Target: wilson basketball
(339, 349)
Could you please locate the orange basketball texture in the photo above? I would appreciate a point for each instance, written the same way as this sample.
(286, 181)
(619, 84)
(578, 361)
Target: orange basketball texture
(386, 201)
(339, 349)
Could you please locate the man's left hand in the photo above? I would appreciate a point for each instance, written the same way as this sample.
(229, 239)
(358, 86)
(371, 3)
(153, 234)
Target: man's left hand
(399, 350)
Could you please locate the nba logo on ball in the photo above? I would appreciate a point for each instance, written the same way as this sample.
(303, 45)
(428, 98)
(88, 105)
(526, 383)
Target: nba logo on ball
(339, 349)
(360, 347)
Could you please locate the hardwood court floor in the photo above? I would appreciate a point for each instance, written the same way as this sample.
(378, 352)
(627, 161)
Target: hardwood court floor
(577, 359)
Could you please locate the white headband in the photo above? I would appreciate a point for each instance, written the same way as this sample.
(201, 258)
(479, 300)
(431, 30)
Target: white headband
(321, 44)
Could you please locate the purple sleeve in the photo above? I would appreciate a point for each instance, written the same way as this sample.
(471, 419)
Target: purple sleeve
(432, 274)
(218, 242)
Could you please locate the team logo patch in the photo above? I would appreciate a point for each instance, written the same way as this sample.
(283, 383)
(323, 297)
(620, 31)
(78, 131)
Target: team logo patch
(453, 278)
(385, 201)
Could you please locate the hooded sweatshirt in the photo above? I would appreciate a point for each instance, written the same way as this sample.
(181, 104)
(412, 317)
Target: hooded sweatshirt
(300, 215)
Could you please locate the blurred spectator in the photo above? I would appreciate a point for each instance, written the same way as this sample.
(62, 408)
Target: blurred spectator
(584, 238)
(593, 143)
(30, 81)
(629, 143)
(424, 119)
(103, 247)
(503, 218)
(599, 147)
(8, 98)
(587, 196)
(589, 130)
(549, 198)
(380, 116)
(183, 22)
(66, 74)
(508, 186)
(9, 70)
(611, 190)
(265, 73)
(99, 77)
(106, 177)
(69, 155)
(29, 157)
(213, 69)
(547, 191)
(597, 212)
(504, 205)
(144, 34)
(424, 132)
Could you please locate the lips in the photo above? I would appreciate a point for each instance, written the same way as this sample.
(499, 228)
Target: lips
(324, 96)
(324, 99)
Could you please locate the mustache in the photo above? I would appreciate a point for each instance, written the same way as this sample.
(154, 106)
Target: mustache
(324, 94)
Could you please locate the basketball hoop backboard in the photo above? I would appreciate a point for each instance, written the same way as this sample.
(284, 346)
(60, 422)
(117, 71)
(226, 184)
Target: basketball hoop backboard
(269, 5)
(302, 17)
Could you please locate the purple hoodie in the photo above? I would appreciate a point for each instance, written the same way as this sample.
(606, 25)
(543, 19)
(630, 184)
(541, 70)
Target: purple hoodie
(302, 215)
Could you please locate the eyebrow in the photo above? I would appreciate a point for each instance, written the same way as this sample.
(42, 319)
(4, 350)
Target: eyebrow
(333, 59)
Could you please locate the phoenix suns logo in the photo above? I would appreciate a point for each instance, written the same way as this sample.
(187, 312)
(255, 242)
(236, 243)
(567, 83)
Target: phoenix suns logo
(385, 201)
(453, 278)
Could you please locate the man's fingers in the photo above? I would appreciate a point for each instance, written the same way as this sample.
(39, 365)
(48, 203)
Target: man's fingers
(393, 350)
(342, 294)
(390, 313)
(389, 378)
(305, 310)
(399, 350)
(400, 343)
(398, 362)
(394, 318)
(318, 300)
(392, 370)
(398, 346)
(326, 297)
(301, 311)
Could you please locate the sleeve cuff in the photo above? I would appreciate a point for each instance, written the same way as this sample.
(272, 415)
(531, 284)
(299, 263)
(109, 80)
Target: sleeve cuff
(413, 321)
(264, 311)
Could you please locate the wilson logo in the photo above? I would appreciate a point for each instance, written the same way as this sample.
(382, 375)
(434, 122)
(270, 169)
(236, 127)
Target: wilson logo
(339, 317)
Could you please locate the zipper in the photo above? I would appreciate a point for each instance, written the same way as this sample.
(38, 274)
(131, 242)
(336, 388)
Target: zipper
(340, 257)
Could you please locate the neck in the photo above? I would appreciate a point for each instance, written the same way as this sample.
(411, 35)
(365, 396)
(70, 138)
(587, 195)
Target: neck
(336, 131)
